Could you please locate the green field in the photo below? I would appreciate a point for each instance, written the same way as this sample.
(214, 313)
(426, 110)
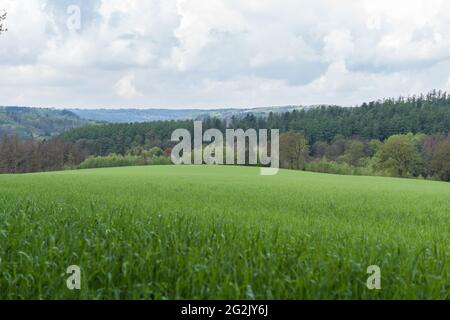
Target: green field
(191, 232)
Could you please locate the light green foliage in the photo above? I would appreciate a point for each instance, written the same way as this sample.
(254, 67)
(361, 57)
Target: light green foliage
(354, 152)
(373, 147)
(147, 157)
(399, 156)
(188, 232)
(113, 160)
(328, 166)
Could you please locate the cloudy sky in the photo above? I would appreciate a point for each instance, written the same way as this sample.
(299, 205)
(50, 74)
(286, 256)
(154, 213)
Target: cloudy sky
(221, 53)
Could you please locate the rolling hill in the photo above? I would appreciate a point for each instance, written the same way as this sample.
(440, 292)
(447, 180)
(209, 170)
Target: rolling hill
(143, 115)
(191, 232)
(43, 123)
(39, 123)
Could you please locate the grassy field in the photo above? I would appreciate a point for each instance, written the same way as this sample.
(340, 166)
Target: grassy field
(188, 232)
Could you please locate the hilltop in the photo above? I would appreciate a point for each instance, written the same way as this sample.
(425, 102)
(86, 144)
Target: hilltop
(41, 123)
(145, 115)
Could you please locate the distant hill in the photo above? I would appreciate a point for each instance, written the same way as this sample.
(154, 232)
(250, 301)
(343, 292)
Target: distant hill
(40, 123)
(144, 115)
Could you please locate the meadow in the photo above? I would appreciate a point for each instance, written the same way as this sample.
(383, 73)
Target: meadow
(213, 232)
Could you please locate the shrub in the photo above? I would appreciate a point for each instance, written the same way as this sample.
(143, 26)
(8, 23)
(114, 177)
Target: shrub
(113, 160)
(327, 166)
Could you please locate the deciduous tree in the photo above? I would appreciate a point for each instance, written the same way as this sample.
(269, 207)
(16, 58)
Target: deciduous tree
(399, 155)
(440, 162)
(294, 150)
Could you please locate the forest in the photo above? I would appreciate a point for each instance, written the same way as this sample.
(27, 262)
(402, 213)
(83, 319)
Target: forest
(37, 123)
(403, 137)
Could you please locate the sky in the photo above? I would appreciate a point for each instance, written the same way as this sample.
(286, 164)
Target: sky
(220, 53)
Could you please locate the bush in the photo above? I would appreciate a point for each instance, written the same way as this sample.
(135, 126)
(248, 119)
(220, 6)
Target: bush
(160, 160)
(326, 166)
(113, 160)
(117, 160)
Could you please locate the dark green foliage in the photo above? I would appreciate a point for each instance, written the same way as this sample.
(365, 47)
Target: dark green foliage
(103, 140)
(375, 120)
(28, 123)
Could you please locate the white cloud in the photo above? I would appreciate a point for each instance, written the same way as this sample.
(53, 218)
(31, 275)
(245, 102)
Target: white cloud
(447, 87)
(26, 36)
(338, 44)
(220, 53)
(125, 88)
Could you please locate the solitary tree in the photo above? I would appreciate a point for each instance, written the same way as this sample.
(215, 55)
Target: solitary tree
(293, 150)
(399, 155)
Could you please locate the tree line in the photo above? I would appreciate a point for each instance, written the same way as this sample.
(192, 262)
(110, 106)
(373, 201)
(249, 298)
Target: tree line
(21, 156)
(428, 114)
(400, 155)
(405, 137)
(380, 119)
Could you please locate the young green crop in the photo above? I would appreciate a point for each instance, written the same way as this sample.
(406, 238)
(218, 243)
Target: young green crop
(210, 232)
